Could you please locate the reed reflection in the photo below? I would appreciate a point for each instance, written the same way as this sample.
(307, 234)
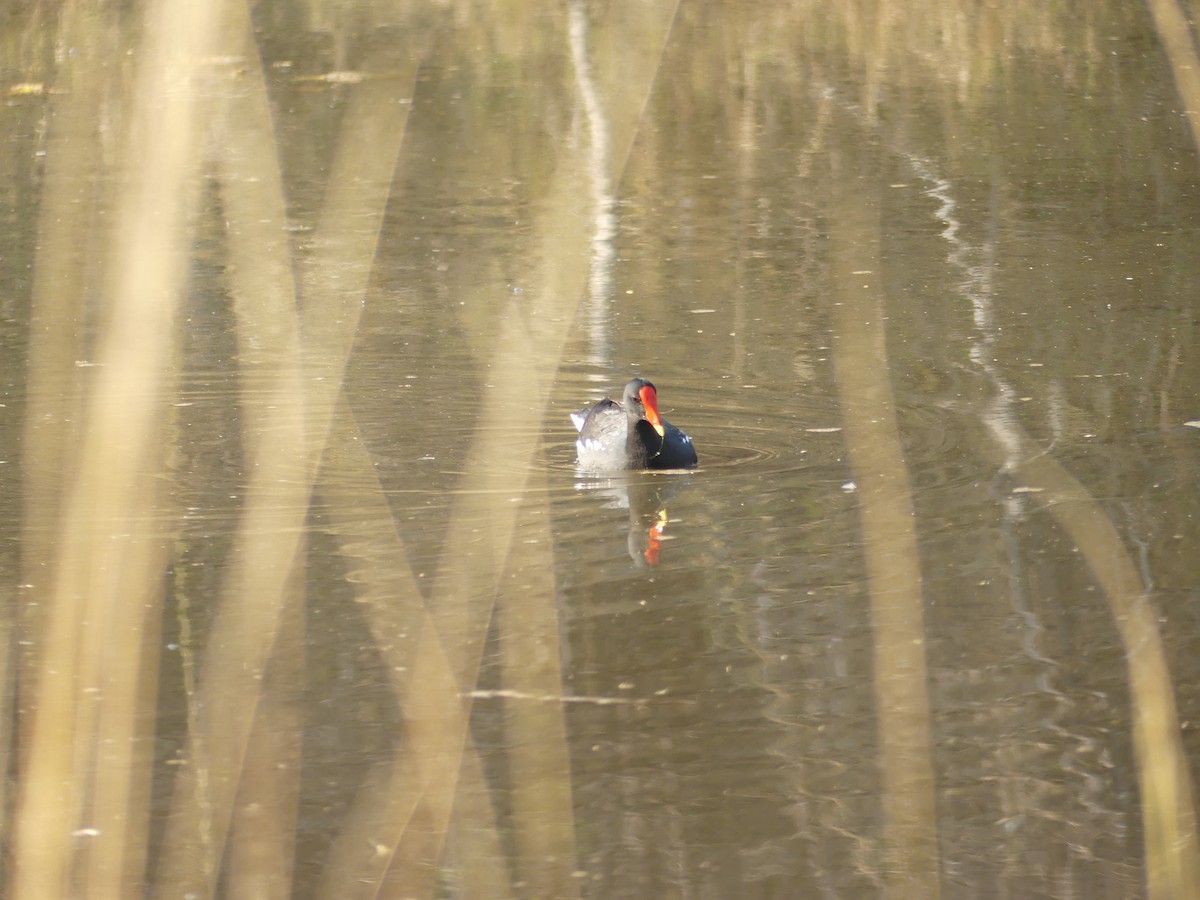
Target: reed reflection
(170, 692)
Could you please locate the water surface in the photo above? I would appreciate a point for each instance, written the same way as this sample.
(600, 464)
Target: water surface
(296, 528)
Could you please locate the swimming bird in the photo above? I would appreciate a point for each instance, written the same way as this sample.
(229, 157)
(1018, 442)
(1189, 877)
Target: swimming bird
(631, 434)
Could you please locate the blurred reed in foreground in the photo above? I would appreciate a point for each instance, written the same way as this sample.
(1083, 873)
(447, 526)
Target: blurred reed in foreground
(88, 682)
(100, 518)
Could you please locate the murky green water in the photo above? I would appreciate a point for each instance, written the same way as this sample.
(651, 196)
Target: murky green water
(305, 596)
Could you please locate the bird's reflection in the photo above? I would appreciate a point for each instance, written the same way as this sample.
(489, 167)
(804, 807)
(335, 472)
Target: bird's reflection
(646, 498)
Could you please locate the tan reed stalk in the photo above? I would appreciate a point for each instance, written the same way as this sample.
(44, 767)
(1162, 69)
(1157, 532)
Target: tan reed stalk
(886, 514)
(261, 844)
(68, 249)
(387, 593)
(1178, 36)
(1168, 799)
(333, 281)
(543, 815)
(86, 760)
(531, 336)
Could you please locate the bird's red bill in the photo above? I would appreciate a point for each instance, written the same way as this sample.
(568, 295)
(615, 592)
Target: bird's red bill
(650, 401)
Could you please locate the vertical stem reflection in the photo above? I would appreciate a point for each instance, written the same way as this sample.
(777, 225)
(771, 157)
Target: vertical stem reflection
(96, 657)
(1168, 812)
(537, 730)
(290, 419)
(1179, 41)
(889, 541)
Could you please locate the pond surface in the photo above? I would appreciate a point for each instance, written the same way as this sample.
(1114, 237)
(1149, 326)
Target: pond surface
(306, 597)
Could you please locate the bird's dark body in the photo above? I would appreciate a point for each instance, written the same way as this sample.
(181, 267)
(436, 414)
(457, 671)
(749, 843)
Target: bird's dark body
(615, 436)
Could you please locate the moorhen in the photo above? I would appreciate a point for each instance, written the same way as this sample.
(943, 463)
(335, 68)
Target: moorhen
(630, 434)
